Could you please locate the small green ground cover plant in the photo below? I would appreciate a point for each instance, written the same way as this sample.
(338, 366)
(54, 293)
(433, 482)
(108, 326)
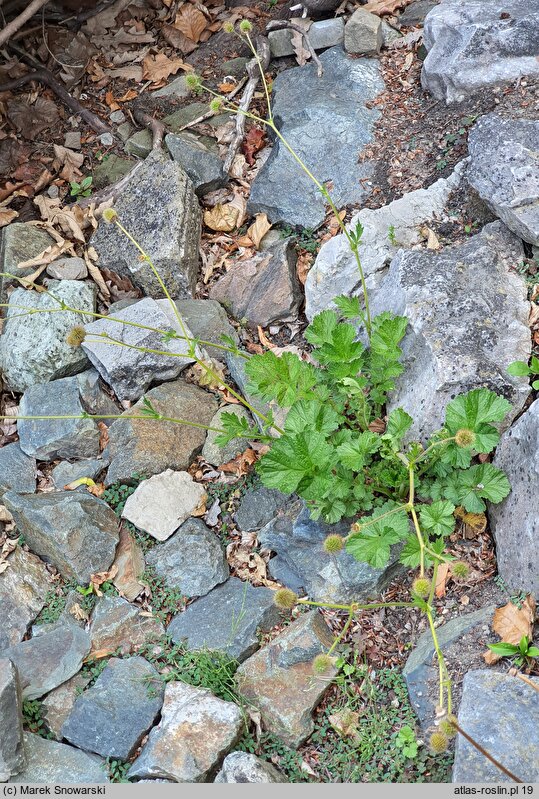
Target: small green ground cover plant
(520, 368)
(521, 654)
(33, 718)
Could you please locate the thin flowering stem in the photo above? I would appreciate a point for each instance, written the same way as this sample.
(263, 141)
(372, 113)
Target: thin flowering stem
(126, 415)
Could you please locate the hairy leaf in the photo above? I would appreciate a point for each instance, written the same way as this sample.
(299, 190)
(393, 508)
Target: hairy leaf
(355, 453)
(285, 379)
(293, 458)
(470, 487)
(312, 415)
(438, 518)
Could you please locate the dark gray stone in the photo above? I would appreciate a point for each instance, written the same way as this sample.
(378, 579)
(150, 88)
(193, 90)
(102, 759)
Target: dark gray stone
(467, 321)
(302, 564)
(264, 289)
(192, 560)
(514, 523)
(12, 757)
(227, 619)
(78, 533)
(235, 67)
(17, 470)
(127, 369)
(258, 507)
(199, 159)
(415, 13)
(58, 703)
(112, 716)
(49, 659)
(140, 144)
(493, 703)
(33, 348)
(23, 589)
(50, 762)
(323, 33)
(113, 169)
(66, 473)
(147, 447)
(117, 624)
(244, 767)
(47, 439)
(20, 242)
(177, 89)
(475, 45)
(207, 320)
(421, 669)
(94, 398)
(503, 170)
(310, 111)
(159, 208)
(363, 33)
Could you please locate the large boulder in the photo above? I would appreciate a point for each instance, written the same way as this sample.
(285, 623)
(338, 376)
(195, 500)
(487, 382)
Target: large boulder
(147, 446)
(467, 321)
(23, 589)
(311, 111)
(33, 346)
(503, 171)
(474, 44)
(51, 762)
(514, 523)
(12, 757)
(159, 208)
(77, 533)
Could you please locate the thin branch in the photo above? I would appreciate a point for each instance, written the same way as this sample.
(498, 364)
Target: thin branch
(280, 24)
(484, 752)
(156, 126)
(12, 27)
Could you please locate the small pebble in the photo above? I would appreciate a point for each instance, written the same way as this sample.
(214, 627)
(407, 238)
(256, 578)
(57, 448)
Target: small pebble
(72, 140)
(52, 191)
(106, 139)
(117, 117)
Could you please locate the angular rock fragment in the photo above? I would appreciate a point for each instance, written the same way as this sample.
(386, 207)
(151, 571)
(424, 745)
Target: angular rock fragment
(23, 589)
(363, 33)
(17, 470)
(51, 762)
(12, 756)
(243, 767)
(116, 624)
(213, 452)
(199, 157)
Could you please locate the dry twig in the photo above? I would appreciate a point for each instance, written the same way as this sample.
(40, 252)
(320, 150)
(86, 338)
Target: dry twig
(280, 24)
(12, 27)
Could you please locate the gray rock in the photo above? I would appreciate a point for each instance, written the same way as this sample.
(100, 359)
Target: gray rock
(58, 704)
(467, 321)
(227, 619)
(147, 447)
(19, 242)
(301, 562)
(415, 13)
(127, 369)
(235, 67)
(51, 762)
(140, 144)
(192, 560)
(47, 439)
(12, 757)
(117, 624)
(322, 34)
(49, 659)
(311, 111)
(117, 117)
(421, 668)
(17, 470)
(279, 679)
(78, 533)
(112, 716)
(475, 45)
(113, 169)
(177, 89)
(23, 589)
(68, 269)
(389, 34)
(195, 732)
(211, 451)
(244, 767)
(515, 522)
(363, 33)
(33, 348)
(199, 159)
(258, 507)
(93, 396)
(503, 170)
(335, 270)
(159, 208)
(72, 140)
(487, 698)
(208, 321)
(66, 473)
(264, 289)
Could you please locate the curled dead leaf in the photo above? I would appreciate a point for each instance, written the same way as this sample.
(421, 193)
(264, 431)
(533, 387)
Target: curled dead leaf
(222, 218)
(258, 229)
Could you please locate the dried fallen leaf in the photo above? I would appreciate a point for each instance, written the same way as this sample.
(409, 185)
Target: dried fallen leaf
(241, 464)
(191, 22)
(258, 229)
(432, 240)
(97, 489)
(7, 215)
(301, 52)
(264, 340)
(158, 67)
(78, 613)
(252, 143)
(511, 622)
(441, 579)
(68, 161)
(222, 218)
(103, 436)
(97, 579)
(129, 562)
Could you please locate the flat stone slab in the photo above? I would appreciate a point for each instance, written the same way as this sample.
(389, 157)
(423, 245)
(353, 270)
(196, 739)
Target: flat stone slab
(213, 452)
(310, 111)
(487, 698)
(147, 447)
(195, 732)
(20, 242)
(227, 619)
(126, 369)
(475, 45)
(258, 507)
(12, 756)
(33, 348)
(58, 703)
(279, 679)
(23, 589)
(158, 206)
(17, 470)
(93, 396)
(66, 473)
(49, 659)
(199, 157)
(161, 504)
(116, 624)
(112, 716)
(467, 314)
(422, 666)
(302, 565)
(78, 533)
(503, 170)
(50, 762)
(193, 560)
(244, 767)
(48, 439)
(514, 523)
(322, 34)
(68, 269)
(207, 320)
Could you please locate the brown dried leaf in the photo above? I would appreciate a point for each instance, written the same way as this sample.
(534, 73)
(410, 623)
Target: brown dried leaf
(241, 464)
(78, 613)
(512, 623)
(301, 52)
(7, 215)
(441, 579)
(68, 161)
(222, 218)
(30, 119)
(98, 578)
(103, 435)
(158, 67)
(129, 562)
(178, 40)
(191, 22)
(258, 229)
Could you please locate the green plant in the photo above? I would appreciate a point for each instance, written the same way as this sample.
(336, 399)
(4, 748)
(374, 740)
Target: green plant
(82, 189)
(520, 653)
(93, 668)
(55, 603)
(117, 770)
(165, 600)
(521, 369)
(302, 238)
(407, 741)
(392, 236)
(32, 718)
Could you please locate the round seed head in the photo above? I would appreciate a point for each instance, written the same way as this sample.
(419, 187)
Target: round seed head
(76, 336)
(110, 215)
(333, 544)
(228, 27)
(460, 570)
(421, 587)
(465, 438)
(447, 728)
(438, 743)
(245, 26)
(194, 83)
(322, 664)
(285, 598)
(216, 105)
